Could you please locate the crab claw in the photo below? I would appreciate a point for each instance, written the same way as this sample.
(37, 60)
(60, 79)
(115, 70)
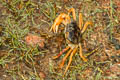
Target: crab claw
(62, 18)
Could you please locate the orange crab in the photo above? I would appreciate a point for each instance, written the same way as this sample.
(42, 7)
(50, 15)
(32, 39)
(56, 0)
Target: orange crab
(73, 35)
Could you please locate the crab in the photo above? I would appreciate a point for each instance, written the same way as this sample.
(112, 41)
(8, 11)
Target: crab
(73, 35)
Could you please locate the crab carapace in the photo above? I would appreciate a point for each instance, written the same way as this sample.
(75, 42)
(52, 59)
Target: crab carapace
(72, 33)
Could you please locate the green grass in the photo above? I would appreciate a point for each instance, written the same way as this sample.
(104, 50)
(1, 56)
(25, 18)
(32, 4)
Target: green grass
(49, 10)
(21, 17)
(14, 33)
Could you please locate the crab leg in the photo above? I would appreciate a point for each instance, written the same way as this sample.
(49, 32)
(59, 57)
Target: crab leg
(85, 26)
(63, 60)
(81, 55)
(80, 21)
(73, 13)
(70, 60)
(64, 50)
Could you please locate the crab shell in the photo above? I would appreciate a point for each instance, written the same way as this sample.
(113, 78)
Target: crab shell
(73, 33)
